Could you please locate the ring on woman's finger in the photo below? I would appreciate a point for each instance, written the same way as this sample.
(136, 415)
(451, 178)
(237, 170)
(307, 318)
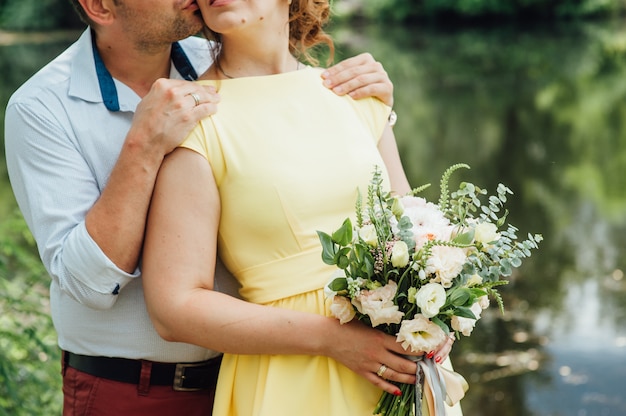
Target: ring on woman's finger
(196, 98)
(381, 370)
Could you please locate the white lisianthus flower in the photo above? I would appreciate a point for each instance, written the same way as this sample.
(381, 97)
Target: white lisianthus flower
(445, 264)
(483, 301)
(399, 254)
(466, 325)
(342, 309)
(368, 234)
(474, 280)
(430, 298)
(420, 334)
(486, 233)
(378, 304)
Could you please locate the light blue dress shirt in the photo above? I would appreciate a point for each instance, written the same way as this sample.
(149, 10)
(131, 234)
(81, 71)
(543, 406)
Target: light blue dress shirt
(64, 129)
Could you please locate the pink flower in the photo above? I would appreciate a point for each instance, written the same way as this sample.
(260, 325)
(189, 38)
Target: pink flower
(378, 304)
(342, 309)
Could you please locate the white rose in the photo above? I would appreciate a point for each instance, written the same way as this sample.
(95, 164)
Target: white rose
(399, 254)
(368, 234)
(430, 298)
(420, 334)
(342, 309)
(486, 233)
(378, 304)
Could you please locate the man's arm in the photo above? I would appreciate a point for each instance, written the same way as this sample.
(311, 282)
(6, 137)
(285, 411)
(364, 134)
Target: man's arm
(57, 189)
(162, 120)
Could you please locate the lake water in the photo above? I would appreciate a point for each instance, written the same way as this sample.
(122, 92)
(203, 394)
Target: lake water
(543, 110)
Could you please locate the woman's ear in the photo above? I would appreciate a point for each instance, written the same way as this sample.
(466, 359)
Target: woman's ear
(100, 12)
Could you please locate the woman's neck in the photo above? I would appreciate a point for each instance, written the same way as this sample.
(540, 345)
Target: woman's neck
(245, 68)
(247, 59)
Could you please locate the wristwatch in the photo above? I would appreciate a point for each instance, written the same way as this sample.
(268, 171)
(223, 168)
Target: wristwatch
(393, 118)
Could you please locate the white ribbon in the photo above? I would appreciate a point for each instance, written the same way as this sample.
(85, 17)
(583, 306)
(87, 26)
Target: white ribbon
(438, 385)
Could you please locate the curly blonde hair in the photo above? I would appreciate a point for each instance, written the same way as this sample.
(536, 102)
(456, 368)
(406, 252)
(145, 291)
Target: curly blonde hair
(306, 21)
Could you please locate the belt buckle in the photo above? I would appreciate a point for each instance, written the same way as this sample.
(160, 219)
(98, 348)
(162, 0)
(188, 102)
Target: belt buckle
(179, 376)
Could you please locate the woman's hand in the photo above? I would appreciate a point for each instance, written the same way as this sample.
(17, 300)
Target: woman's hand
(443, 351)
(365, 350)
(376, 356)
(360, 76)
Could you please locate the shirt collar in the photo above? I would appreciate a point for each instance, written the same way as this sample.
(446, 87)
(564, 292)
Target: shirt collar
(106, 83)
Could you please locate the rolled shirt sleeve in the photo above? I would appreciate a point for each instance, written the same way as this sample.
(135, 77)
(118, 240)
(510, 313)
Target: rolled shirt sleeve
(56, 179)
(84, 259)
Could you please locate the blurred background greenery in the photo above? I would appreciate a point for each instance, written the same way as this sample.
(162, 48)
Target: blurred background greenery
(531, 93)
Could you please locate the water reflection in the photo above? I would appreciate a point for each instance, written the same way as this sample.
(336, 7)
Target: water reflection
(542, 110)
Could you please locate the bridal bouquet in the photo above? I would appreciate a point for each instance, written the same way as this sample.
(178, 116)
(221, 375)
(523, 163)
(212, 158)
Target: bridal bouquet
(422, 271)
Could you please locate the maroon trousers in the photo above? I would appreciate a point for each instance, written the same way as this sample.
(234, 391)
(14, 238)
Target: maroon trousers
(87, 395)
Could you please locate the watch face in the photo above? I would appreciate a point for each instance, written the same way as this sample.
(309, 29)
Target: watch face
(393, 117)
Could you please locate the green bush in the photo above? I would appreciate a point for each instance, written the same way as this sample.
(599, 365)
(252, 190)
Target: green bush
(38, 15)
(403, 10)
(30, 381)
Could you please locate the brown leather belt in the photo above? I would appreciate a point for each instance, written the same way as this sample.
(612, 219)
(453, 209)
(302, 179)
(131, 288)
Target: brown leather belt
(181, 376)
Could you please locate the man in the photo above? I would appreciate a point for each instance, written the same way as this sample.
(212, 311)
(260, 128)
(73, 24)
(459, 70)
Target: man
(84, 141)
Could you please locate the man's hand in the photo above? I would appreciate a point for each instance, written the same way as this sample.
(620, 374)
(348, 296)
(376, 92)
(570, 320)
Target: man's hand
(360, 76)
(163, 119)
(170, 110)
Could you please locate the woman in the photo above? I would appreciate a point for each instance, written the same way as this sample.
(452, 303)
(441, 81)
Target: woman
(285, 158)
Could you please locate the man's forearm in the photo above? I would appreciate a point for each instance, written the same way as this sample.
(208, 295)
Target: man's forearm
(117, 220)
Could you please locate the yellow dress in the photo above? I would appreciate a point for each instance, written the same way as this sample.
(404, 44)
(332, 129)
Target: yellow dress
(288, 156)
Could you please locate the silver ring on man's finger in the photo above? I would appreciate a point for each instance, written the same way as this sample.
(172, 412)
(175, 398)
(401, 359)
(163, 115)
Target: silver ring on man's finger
(381, 370)
(196, 98)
